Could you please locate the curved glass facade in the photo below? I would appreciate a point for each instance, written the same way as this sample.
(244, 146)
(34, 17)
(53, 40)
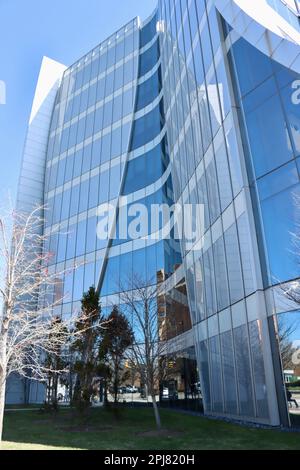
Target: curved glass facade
(240, 165)
(183, 109)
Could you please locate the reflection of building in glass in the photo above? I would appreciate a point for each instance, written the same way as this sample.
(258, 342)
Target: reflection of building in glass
(198, 105)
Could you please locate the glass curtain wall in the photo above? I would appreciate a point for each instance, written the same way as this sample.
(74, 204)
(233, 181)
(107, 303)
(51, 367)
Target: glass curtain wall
(269, 101)
(207, 168)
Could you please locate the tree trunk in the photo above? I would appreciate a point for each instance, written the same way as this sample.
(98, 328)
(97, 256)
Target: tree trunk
(156, 412)
(2, 404)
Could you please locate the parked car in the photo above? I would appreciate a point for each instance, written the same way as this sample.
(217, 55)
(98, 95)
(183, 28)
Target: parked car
(168, 394)
(122, 390)
(131, 389)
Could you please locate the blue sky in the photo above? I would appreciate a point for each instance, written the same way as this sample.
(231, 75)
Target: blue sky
(63, 30)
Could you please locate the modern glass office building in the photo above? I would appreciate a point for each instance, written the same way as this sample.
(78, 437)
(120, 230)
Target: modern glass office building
(198, 105)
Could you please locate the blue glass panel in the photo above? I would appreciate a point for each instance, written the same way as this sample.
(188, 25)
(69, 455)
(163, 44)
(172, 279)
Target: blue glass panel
(96, 154)
(71, 244)
(148, 91)
(105, 149)
(148, 32)
(103, 187)
(77, 163)
(91, 234)
(74, 200)
(281, 211)
(250, 76)
(89, 125)
(87, 156)
(84, 195)
(81, 235)
(145, 170)
(147, 128)
(291, 101)
(148, 59)
(269, 137)
(94, 190)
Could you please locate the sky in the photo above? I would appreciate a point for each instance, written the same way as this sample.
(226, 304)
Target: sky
(63, 30)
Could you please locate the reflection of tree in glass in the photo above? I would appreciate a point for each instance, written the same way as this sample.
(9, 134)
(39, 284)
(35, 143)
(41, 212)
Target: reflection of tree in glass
(285, 332)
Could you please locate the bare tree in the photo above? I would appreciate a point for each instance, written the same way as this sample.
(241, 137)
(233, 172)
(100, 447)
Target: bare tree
(30, 291)
(149, 352)
(289, 296)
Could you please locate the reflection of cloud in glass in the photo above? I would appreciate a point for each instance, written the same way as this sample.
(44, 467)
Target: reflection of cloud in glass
(2, 92)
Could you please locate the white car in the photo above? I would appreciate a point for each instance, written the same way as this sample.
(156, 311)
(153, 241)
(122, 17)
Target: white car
(131, 389)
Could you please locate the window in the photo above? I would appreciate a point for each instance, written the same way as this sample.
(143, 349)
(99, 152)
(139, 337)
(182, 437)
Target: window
(94, 189)
(74, 200)
(116, 142)
(144, 170)
(129, 44)
(92, 95)
(117, 114)
(96, 153)
(78, 283)
(230, 394)
(255, 329)
(107, 119)
(91, 234)
(86, 74)
(89, 125)
(66, 204)
(279, 192)
(57, 208)
(253, 67)
(147, 128)
(98, 124)
(61, 172)
(114, 187)
(216, 374)
(94, 68)
(125, 137)
(223, 173)
(109, 84)
(81, 234)
(84, 100)
(87, 156)
(80, 131)
(84, 194)
(234, 265)
(119, 77)
(119, 51)
(269, 138)
(128, 102)
(221, 274)
(77, 163)
(243, 371)
(69, 168)
(105, 149)
(89, 276)
(111, 54)
(101, 89)
(128, 72)
(103, 187)
(148, 91)
(71, 241)
(148, 32)
(148, 59)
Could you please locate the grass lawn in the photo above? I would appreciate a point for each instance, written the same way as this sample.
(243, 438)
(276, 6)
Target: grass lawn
(133, 429)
